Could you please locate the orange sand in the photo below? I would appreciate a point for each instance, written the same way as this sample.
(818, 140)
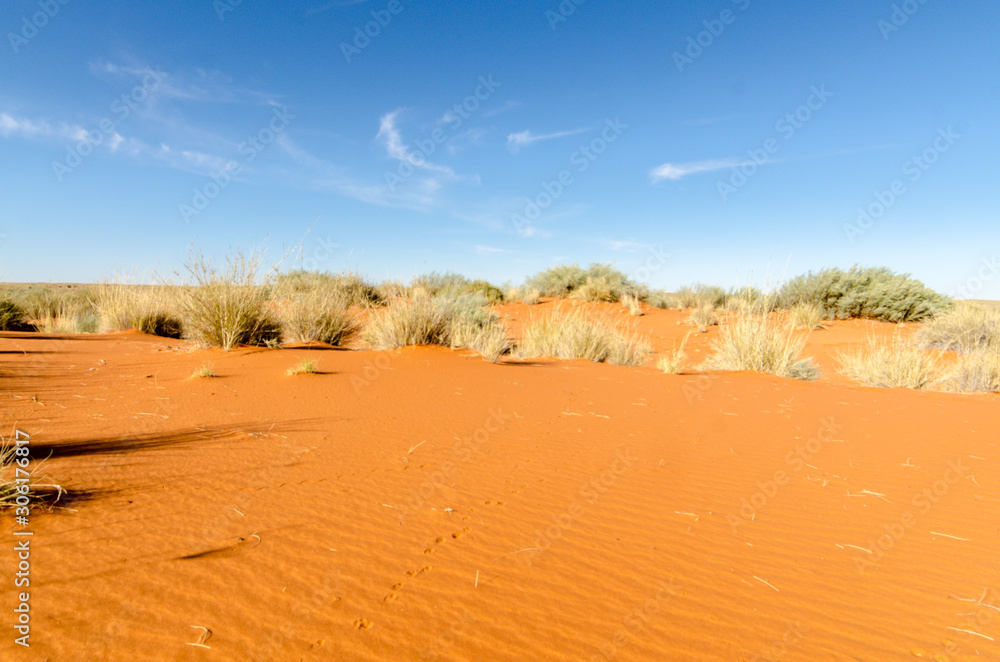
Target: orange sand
(428, 505)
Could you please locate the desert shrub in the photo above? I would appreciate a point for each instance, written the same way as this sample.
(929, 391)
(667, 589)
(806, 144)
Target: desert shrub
(303, 367)
(349, 287)
(661, 299)
(703, 317)
(575, 335)
(965, 327)
(603, 282)
(890, 364)
(122, 305)
(452, 284)
(227, 306)
(699, 294)
(13, 317)
(673, 362)
(631, 301)
(871, 293)
(760, 343)
(315, 315)
(531, 298)
(805, 316)
(452, 321)
(975, 372)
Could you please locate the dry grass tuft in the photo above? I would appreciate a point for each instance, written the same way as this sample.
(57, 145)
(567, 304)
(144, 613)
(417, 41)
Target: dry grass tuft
(760, 343)
(204, 372)
(806, 316)
(893, 364)
(631, 301)
(703, 317)
(965, 327)
(304, 367)
(531, 298)
(976, 372)
(122, 305)
(575, 335)
(673, 362)
(229, 306)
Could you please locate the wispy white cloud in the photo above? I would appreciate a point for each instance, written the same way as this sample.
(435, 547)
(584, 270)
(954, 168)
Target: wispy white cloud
(397, 150)
(516, 141)
(679, 170)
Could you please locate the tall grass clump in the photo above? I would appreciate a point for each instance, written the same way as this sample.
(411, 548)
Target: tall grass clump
(890, 364)
(13, 317)
(121, 306)
(349, 287)
(699, 294)
(575, 335)
(631, 301)
(758, 342)
(871, 293)
(703, 317)
(965, 327)
(805, 316)
(227, 306)
(452, 321)
(661, 299)
(976, 372)
(531, 297)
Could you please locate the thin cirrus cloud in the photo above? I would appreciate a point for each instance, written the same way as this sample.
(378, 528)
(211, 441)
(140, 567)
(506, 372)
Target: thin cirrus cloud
(389, 132)
(675, 171)
(516, 141)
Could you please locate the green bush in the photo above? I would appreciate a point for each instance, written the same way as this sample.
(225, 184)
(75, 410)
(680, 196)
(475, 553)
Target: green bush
(452, 284)
(599, 282)
(871, 293)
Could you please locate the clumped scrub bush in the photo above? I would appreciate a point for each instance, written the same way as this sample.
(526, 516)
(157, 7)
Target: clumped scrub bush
(227, 306)
(661, 299)
(806, 316)
(890, 364)
(871, 293)
(976, 372)
(531, 298)
(748, 299)
(760, 343)
(452, 284)
(13, 317)
(348, 287)
(575, 335)
(121, 306)
(673, 362)
(316, 309)
(599, 282)
(699, 294)
(452, 321)
(703, 317)
(965, 327)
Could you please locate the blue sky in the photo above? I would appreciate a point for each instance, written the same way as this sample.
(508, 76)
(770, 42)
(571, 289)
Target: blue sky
(733, 142)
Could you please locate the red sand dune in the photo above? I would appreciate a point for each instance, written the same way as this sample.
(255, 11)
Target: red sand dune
(426, 504)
